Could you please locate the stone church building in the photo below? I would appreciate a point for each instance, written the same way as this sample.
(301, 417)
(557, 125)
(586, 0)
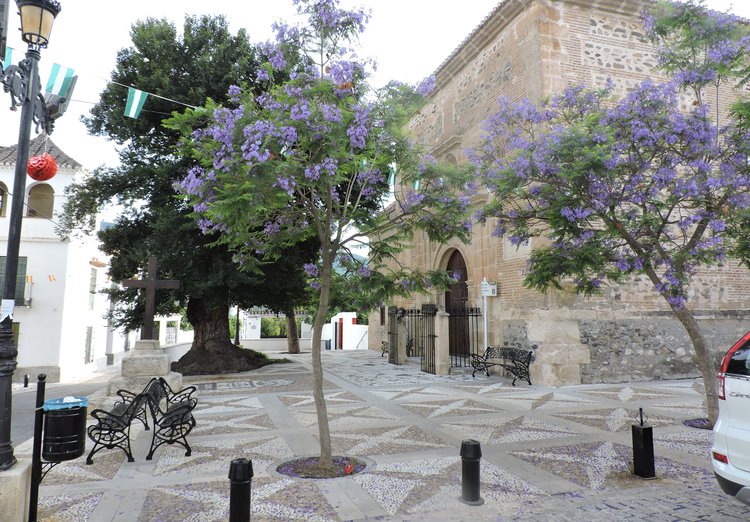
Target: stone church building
(534, 49)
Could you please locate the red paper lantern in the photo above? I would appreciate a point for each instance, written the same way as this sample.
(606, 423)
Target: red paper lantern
(42, 168)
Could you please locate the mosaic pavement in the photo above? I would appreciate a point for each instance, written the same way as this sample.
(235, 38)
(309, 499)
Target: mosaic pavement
(561, 454)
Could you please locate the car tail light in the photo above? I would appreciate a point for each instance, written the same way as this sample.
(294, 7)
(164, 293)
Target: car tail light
(720, 392)
(720, 457)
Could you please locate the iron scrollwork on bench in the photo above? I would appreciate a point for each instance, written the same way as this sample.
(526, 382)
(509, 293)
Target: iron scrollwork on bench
(112, 429)
(172, 423)
(171, 415)
(513, 358)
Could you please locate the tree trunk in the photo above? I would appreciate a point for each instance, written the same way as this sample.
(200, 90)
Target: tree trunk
(702, 353)
(705, 361)
(292, 335)
(326, 455)
(212, 350)
(209, 324)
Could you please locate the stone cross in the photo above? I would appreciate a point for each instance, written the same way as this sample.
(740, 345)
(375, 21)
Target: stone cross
(150, 284)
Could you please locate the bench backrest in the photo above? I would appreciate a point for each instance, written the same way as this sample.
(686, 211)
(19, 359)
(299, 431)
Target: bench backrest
(515, 352)
(155, 392)
(122, 414)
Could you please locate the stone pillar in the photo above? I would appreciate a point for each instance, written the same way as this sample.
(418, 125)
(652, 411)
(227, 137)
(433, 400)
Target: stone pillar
(442, 343)
(14, 491)
(559, 354)
(403, 335)
(146, 360)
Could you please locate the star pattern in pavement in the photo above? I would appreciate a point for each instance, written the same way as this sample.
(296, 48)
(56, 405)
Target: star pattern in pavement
(67, 507)
(346, 416)
(539, 400)
(432, 410)
(384, 440)
(306, 399)
(612, 420)
(587, 465)
(501, 430)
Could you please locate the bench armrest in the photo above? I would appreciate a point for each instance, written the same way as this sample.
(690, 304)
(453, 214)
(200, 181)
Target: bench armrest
(182, 395)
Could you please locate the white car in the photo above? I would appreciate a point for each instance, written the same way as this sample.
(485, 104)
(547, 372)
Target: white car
(731, 449)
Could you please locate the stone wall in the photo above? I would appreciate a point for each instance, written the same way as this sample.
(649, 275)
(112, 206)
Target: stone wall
(654, 347)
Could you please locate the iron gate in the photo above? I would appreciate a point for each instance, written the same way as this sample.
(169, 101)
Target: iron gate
(419, 325)
(465, 330)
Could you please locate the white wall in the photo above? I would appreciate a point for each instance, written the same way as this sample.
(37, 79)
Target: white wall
(251, 328)
(52, 330)
(354, 336)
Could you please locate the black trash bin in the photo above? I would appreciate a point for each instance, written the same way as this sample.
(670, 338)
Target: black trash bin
(64, 428)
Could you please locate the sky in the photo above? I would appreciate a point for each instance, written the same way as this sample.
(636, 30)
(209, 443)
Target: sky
(408, 39)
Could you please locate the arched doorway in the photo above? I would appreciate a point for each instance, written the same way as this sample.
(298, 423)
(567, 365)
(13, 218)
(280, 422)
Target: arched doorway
(456, 304)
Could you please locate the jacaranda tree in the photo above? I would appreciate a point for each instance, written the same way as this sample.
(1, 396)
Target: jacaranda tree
(619, 188)
(313, 157)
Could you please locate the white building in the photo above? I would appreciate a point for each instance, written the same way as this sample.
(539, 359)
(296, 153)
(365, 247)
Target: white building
(60, 310)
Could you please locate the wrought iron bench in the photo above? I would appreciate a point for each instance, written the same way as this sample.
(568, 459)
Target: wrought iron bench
(172, 424)
(171, 415)
(158, 391)
(513, 358)
(112, 429)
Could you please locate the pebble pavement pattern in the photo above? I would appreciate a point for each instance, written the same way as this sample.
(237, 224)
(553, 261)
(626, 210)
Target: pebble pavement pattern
(561, 454)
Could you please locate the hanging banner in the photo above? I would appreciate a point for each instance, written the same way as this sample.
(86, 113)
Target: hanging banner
(59, 81)
(136, 99)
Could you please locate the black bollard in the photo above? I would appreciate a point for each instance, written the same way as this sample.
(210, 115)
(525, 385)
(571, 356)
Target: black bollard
(240, 476)
(26, 381)
(36, 454)
(471, 454)
(643, 449)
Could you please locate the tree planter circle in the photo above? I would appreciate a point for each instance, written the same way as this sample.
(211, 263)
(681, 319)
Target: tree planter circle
(309, 467)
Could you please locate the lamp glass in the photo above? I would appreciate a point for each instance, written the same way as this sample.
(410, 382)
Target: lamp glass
(36, 24)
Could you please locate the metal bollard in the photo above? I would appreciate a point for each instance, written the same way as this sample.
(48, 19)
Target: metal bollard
(36, 452)
(471, 454)
(643, 449)
(240, 476)
(26, 381)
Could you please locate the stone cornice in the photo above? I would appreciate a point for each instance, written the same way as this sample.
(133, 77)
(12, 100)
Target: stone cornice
(503, 14)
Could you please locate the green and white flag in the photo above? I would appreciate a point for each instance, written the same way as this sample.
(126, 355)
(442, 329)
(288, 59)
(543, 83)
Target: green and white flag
(7, 59)
(135, 102)
(59, 80)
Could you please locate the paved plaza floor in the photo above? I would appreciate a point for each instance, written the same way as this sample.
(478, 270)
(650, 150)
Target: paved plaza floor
(558, 454)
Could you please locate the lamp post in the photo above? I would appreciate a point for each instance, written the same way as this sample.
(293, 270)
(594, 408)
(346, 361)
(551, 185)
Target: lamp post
(23, 84)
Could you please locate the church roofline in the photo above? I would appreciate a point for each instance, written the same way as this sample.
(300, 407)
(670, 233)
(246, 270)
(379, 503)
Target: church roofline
(504, 13)
(37, 147)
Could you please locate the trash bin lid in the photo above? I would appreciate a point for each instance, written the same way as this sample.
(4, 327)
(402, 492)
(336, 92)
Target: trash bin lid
(63, 403)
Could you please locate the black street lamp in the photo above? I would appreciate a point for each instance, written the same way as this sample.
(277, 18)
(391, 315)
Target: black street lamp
(23, 84)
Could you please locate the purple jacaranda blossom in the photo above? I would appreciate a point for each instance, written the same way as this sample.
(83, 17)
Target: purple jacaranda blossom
(330, 112)
(426, 86)
(311, 269)
(301, 110)
(234, 93)
(358, 131)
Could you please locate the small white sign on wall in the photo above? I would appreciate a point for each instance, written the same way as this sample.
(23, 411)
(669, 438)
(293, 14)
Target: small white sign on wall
(489, 288)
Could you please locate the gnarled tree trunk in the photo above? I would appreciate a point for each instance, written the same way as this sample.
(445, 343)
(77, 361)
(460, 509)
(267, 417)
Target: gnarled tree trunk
(212, 351)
